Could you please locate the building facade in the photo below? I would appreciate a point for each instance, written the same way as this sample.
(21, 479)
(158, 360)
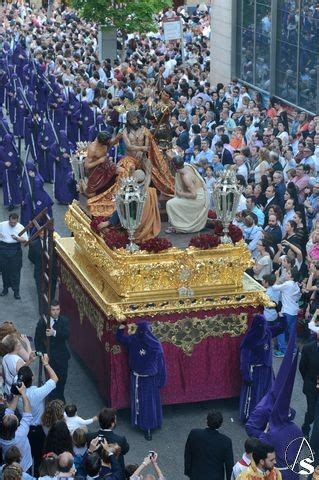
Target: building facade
(270, 45)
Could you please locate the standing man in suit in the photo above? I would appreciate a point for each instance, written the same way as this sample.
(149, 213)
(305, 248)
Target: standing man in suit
(208, 453)
(309, 369)
(183, 137)
(107, 421)
(35, 256)
(58, 335)
(270, 194)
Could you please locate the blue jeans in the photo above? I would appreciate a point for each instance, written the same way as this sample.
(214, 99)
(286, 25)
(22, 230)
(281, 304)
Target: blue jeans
(281, 339)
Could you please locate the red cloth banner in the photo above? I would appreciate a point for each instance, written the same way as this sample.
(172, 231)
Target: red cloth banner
(210, 372)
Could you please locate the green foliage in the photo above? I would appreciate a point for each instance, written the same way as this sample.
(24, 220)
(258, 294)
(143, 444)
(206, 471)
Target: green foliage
(127, 15)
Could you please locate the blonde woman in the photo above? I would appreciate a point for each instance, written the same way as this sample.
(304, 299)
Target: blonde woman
(13, 360)
(263, 165)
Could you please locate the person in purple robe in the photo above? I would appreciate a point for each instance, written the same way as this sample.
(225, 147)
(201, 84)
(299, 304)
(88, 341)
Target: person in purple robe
(282, 431)
(36, 198)
(3, 81)
(256, 363)
(43, 90)
(10, 165)
(99, 126)
(45, 141)
(61, 153)
(19, 58)
(21, 112)
(84, 118)
(11, 95)
(148, 376)
(4, 126)
(259, 417)
(72, 105)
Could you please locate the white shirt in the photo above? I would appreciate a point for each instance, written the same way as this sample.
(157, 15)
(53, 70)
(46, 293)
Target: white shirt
(76, 422)
(271, 314)
(238, 467)
(6, 232)
(242, 205)
(290, 295)
(289, 215)
(36, 396)
(9, 369)
(243, 170)
(20, 440)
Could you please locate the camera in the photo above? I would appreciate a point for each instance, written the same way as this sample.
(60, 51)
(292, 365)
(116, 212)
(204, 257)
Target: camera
(101, 439)
(38, 354)
(14, 386)
(151, 453)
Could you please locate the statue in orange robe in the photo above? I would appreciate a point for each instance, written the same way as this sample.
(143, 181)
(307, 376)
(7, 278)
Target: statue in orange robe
(140, 144)
(137, 142)
(101, 170)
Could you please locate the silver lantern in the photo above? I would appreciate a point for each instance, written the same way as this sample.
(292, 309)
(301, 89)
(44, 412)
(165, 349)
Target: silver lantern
(226, 195)
(129, 201)
(78, 165)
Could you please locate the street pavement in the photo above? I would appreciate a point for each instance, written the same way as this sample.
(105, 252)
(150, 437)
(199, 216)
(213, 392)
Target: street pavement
(178, 419)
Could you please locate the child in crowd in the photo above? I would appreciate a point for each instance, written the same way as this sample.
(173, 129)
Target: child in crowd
(79, 449)
(72, 419)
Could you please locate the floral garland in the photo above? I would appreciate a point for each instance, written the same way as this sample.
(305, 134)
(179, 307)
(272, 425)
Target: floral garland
(204, 241)
(115, 238)
(155, 245)
(118, 239)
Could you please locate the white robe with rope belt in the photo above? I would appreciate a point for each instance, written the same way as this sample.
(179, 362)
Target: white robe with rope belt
(188, 215)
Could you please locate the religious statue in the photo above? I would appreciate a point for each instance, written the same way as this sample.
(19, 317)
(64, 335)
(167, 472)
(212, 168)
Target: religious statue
(188, 210)
(159, 115)
(137, 142)
(101, 169)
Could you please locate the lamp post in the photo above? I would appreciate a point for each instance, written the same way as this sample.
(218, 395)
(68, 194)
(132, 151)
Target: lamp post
(226, 195)
(129, 201)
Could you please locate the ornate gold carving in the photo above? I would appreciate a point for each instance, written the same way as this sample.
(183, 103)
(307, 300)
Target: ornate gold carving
(188, 332)
(125, 285)
(153, 276)
(85, 308)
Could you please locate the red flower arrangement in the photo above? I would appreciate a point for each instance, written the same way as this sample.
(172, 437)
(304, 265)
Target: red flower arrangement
(155, 245)
(212, 215)
(115, 238)
(204, 241)
(96, 222)
(217, 226)
(235, 233)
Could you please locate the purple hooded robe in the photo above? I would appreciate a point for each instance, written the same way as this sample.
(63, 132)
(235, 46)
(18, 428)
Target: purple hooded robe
(45, 140)
(259, 417)
(256, 364)
(36, 198)
(148, 375)
(282, 430)
(60, 153)
(11, 178)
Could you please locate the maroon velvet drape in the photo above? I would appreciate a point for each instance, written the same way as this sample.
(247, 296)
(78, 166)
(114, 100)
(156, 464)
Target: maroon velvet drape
(211, 372)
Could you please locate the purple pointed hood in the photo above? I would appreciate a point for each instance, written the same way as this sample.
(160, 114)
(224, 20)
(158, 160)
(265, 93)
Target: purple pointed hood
(281, 414)
(260, 415)
(257, 335)
(144, 337)
(30, 166)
